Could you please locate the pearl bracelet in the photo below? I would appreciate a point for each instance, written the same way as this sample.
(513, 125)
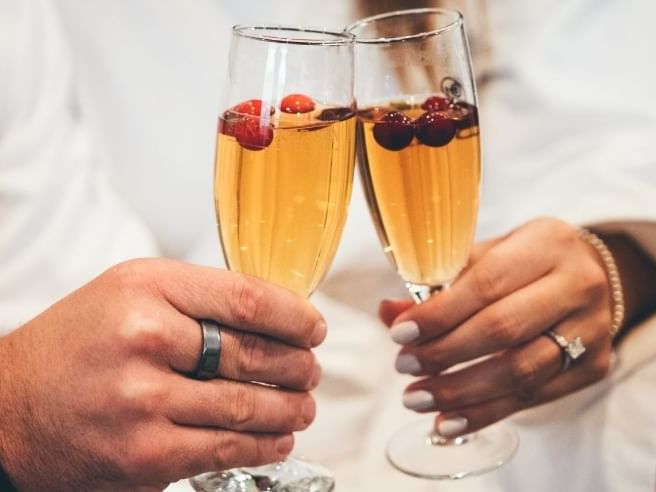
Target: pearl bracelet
(617, 294)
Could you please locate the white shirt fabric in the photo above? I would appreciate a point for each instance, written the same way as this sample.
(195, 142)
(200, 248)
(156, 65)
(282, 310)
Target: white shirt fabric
(107, 128)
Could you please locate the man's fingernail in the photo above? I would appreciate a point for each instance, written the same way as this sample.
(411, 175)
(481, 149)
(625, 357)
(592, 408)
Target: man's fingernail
(319, 335)
(309, 411)
(407, 364)
(418, 400)
(453, 426)
(317, 375)
(285, 444)
(405, 332)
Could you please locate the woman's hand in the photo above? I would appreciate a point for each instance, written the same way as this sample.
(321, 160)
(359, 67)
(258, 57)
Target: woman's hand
(540, 277)
(94, 392)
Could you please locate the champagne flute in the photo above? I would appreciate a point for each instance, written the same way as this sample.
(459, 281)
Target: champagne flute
(284, 171)
(419, 158)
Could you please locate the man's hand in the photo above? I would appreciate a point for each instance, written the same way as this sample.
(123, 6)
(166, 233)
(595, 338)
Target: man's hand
(94, 392)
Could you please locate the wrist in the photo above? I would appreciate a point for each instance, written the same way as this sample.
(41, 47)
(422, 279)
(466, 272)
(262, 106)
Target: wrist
(608, 263)
(10, 410)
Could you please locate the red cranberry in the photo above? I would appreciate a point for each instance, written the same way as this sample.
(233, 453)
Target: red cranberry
(227, 123)
(296, 103)
(436, 103)
(251, 107)
(233, 116)
(394, 131)
(252, 134)
(464, 115)
(435, 129)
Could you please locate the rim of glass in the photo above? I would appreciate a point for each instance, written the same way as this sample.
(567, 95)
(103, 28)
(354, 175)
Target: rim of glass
(456, 23)
(262, 32)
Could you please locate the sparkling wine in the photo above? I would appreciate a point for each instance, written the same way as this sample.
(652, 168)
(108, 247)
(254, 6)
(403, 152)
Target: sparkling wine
(281, 197)
(421, 172)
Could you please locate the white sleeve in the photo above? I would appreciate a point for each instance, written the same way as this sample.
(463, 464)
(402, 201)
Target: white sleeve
(60, 221)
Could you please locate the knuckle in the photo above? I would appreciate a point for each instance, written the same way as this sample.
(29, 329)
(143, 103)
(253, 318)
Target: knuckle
(446, 397)
(523, 372)
(558, 229)
(246, 301)
(502, 328)
(486, 282)
(252, 355)
(230, 452)
(140, 396)
(432, 358)
(131, 273)
(596, 285)
(242, 408)
(142, 333)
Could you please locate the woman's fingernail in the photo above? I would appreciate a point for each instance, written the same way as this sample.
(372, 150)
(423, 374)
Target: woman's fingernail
(452, 427)
(405, 332)
(418, 400)
(407, 364)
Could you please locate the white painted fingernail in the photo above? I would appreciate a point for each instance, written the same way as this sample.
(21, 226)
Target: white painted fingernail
(453, 426)
(405, 332)
(418, 400)
(407, 364)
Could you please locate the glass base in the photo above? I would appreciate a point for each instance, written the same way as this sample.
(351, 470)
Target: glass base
(291, 475)
(416, 451)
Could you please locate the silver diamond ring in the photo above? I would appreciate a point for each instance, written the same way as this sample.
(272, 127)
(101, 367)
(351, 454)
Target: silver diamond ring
(211, 353)
(570, 350)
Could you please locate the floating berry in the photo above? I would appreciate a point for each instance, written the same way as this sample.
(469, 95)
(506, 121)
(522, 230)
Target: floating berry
(436, 103)
(227, 123)
(251, 107)
(252, 133)
(233, 116)
(435, 129)
(248, 125)
(394, 131)
(296, 103)
(336, 114)
(464, 115)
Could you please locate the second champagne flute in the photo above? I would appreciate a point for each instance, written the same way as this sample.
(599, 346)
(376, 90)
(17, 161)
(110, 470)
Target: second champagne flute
(419, 157)
(283, 177)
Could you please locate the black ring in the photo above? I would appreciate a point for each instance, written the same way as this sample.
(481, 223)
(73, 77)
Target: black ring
(209, 357)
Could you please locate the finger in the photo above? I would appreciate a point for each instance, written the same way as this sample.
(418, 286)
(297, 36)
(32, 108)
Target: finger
(202, 450)
(244, 356)
(506, 267)
(389, 309)
(241, 301)
(515, 319)
(527, 366)
(480, 248)
(243, 407)
(470, 419)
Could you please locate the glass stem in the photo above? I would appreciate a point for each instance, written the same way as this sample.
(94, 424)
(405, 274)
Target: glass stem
(434, 439)
(421, 293)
